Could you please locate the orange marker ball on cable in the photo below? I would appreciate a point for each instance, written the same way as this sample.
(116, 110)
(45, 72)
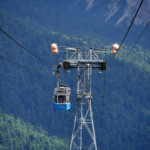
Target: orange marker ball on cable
(114, 51)
(116, 47)
(55, 51)
(54, 46)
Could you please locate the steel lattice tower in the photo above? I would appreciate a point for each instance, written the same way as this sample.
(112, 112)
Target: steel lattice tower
(84, 62)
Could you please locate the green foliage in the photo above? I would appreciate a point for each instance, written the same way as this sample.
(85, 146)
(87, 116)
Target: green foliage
(18, 135)
(29, 95)
(126, 101)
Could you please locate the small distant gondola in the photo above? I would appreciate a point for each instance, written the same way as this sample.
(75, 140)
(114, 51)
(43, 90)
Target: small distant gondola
(62, 98)
(61, 93)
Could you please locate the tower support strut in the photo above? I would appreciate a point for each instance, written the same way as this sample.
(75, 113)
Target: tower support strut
(83, 134)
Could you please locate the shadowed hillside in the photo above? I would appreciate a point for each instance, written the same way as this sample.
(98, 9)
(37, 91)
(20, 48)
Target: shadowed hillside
(28, 94)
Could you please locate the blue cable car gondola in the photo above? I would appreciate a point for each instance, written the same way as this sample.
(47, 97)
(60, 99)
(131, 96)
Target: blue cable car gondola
(62, 98)
(61, 94)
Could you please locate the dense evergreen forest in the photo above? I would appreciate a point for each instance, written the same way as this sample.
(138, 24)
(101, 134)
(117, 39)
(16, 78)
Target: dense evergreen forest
(18, 135)
(27, 118)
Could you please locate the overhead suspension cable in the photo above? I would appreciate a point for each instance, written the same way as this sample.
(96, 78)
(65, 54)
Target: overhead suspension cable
(24, 47)
(131, 23)
(129, 27)
(69, 124)
(23, 66)
(137, 40)
(103, 100)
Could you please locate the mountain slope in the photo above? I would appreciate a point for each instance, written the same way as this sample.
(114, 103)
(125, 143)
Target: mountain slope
(29, 95)
(18, 135)
(83, 18)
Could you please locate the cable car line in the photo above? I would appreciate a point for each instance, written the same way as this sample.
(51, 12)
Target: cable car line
(84, 62)
(62, 93)
(137, 40)
(23, 47)
(131, 23)
(103, 100)
(68, 112)
(128, 28)
(69, 124)
(23, 66)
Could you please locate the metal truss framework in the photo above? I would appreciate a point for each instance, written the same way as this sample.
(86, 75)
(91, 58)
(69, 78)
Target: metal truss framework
(84, 62)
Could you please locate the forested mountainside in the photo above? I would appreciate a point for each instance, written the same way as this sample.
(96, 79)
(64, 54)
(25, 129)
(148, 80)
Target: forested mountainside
(27, 93)
(18, 135)
(84, 18)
